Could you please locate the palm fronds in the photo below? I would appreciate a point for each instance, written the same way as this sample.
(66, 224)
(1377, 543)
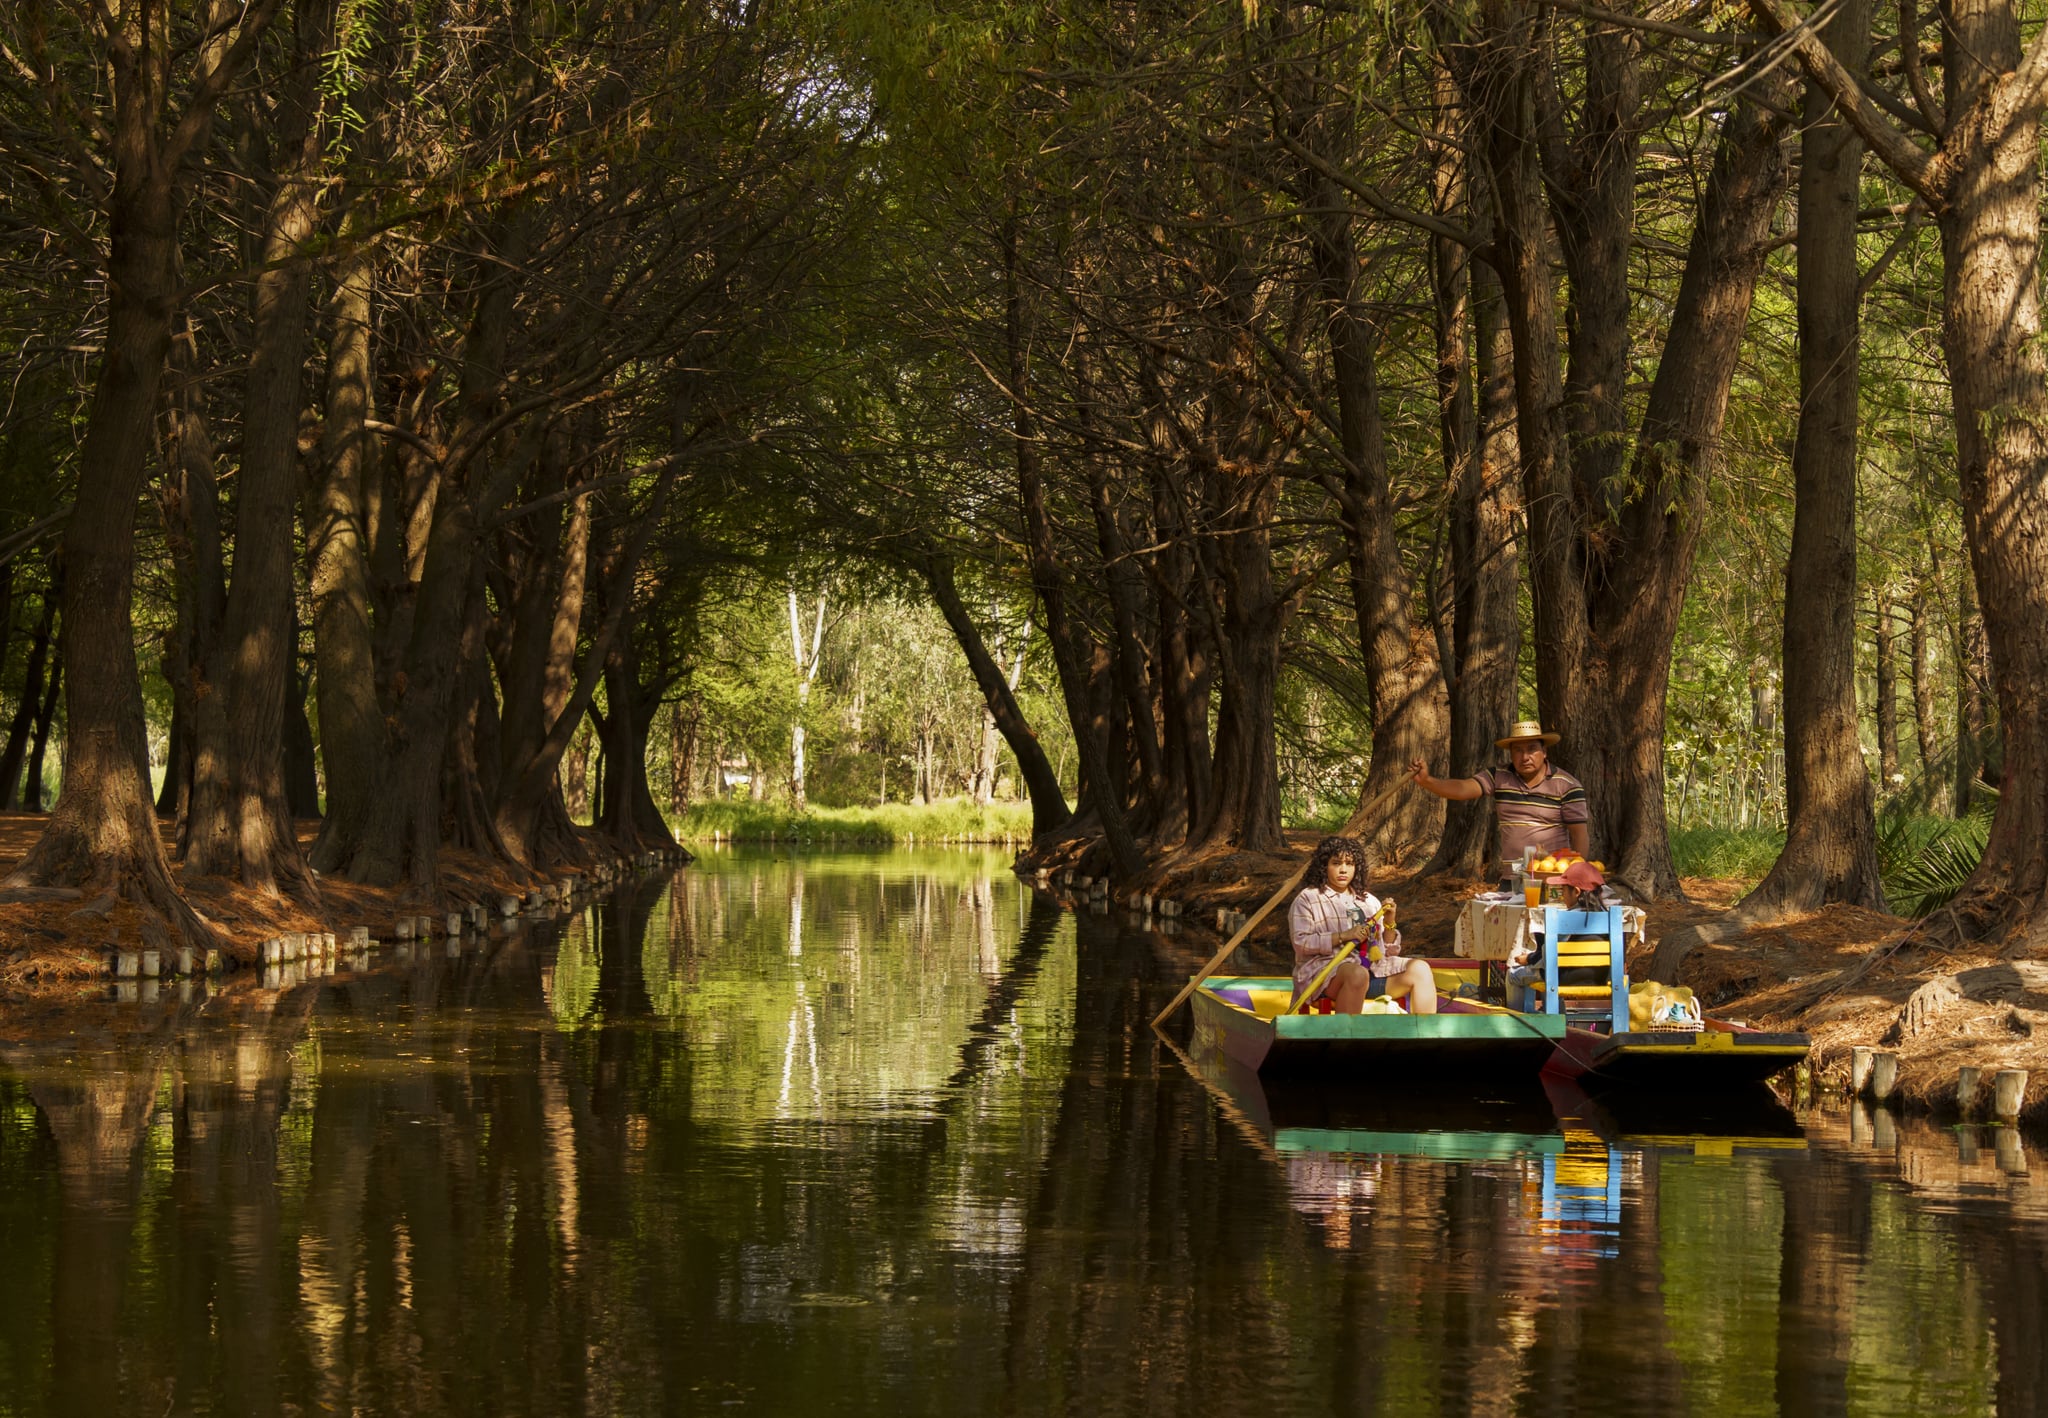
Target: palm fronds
(1925, 860)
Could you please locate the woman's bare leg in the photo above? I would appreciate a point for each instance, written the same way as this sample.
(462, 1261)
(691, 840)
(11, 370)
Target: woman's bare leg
(1417, 985)
(1349, 985)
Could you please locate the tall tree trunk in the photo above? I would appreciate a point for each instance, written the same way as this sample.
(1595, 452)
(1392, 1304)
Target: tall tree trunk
(1885, 648)
(630, 813)
(1486, 571)
(1991, 333)
(1071, 657)
(988, 761)
(23, 724)
(1973, 720)
(6, 608)
(1452, 309)
(1641, 549)
(981, 785)
(470, 764)
(576, 775)
(398, 838)
(804, 649)
(686, 726)
(339, 538)
(241, 820)
(103, 835)
(181, 654)
(1107, 721)
(1410, 714)
(1124, 585)
(1049, 810)
(1591, 179)
(190, 500)
(1184, 691)
(1237, 481)
(1500, 74)
(547, 559)
(177, 749)
(301, 755)
(1830, 851)
(1926, 737)
(46, 712)
(531, 814)
(1244, 783)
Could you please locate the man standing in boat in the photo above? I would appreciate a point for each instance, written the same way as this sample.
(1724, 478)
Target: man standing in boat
(1535, 804)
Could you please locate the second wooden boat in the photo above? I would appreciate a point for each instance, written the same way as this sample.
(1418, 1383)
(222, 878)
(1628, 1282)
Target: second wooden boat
(1721, 1055)
(1607, 1043)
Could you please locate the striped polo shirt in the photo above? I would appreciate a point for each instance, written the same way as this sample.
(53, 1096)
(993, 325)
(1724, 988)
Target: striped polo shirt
(1533, 817)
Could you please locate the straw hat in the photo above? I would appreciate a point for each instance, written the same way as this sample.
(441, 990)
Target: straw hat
(1521, 731)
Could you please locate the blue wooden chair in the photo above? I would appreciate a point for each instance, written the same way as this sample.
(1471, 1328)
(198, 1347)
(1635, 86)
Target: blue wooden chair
(1561, 953)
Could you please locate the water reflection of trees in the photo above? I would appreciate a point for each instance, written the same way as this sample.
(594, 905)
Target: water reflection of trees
(439, 1199)
(435, 1189)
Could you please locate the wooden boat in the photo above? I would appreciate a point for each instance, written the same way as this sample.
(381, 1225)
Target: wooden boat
(1602, 1045)
(1722, 1055)
(1245, 1017)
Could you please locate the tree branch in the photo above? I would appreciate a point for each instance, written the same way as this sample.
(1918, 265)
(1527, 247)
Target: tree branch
(2026, 88)
(1914, 165)
(1916, 73)
(1392, 211)
(215, 80)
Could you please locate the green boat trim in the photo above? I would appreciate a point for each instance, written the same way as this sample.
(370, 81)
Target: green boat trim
(1245, 1016)
(1434, 1146)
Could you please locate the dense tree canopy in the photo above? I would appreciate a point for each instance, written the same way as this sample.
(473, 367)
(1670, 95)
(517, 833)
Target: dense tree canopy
(457, 421)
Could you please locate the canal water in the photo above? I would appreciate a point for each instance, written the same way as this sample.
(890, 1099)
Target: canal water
(885, 1134)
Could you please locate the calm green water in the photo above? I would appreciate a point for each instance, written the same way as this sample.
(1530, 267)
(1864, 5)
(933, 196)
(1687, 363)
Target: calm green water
(882, 1135)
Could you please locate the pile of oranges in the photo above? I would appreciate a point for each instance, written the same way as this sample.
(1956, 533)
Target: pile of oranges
(1554, 865)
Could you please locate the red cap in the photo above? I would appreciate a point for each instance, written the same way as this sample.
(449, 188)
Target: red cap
(1583, 875)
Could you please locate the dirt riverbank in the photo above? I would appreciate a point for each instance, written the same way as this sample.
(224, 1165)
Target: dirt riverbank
(55, 944)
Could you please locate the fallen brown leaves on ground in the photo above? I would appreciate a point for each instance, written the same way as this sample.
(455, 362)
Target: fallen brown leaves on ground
(58, 941)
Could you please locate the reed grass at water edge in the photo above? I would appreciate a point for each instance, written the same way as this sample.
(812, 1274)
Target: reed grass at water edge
(956, 820)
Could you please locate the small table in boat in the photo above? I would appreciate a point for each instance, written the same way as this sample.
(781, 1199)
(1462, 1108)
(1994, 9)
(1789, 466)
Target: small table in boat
(1492, 928)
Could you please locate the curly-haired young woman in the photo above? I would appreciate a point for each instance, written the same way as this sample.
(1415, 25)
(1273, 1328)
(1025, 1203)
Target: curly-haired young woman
(1333, 909)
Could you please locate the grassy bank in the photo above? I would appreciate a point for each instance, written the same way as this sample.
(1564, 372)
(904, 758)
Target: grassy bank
(1742, 854)
(957, 820)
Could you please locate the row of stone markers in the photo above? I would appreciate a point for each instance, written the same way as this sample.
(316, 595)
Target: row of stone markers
(1075, 888)
(295, 955)
(1874, 1074)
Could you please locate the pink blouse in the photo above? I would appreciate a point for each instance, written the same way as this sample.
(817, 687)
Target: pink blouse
(1319, 915)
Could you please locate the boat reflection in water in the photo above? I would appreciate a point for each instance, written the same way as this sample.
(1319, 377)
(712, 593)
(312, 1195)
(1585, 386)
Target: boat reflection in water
(1340, 1145)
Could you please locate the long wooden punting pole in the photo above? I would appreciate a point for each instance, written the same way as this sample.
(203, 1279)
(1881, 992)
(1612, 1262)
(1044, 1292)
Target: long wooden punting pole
(1366, 813)
(1216, 960)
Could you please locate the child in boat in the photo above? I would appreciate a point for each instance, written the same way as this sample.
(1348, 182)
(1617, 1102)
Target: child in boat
(1582, 888)
(1334, 909)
